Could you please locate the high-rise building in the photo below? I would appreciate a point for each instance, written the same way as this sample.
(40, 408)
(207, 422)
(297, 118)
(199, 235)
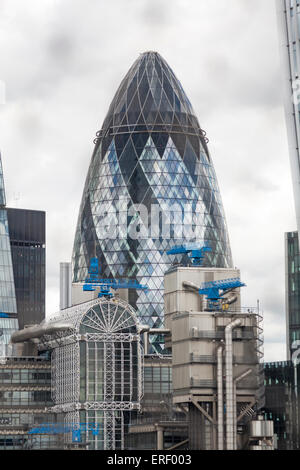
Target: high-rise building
(27, 240)
(25, 401)
(292, 282)
(151, 185)
(22, 268)
(8, 306)
(282, 402)
(288, 14)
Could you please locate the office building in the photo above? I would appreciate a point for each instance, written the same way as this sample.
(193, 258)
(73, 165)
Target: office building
(202, 397)
(151, 185)
(96, 359)
(282, 402)
(27, 243)
(216, 355)
(109, 391)
(25, 401)
(289, 36)
(292, 283)
(288, 14)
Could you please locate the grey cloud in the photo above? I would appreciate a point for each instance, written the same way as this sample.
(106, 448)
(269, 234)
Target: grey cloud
(157, 13)
(61, 47)
(62, 62)
(254, 181)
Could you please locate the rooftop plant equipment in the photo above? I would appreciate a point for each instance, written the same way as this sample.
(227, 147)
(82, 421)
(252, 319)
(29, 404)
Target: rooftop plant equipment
(93, 281)
(215, 291)
(195, 252)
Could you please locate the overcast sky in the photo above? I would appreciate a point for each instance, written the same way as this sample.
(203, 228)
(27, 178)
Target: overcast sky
(61, 63)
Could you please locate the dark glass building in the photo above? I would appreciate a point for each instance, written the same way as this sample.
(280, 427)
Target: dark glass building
(292, 269)
(282, 381)
(27, 241)
(151, 185)
(25, 399)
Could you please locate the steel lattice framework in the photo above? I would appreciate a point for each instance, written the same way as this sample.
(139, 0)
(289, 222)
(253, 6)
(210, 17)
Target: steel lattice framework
(97, 367)
(66, 367)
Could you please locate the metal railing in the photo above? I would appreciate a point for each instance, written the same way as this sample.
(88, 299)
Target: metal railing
(212, 359)
(211, 383)
(213, 334)
(4, 360)
(154, 418)
(241, 310)
(151, 127)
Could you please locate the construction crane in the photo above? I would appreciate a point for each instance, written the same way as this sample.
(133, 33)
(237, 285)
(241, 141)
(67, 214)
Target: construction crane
(61, 428)
(4, 315)
(215, 290)
(93, 281)
(195, 252)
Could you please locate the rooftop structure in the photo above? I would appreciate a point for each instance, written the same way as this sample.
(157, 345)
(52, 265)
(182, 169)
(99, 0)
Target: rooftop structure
(96, 360)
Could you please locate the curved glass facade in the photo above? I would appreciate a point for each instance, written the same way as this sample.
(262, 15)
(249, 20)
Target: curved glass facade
(8, 305)
(151, 185)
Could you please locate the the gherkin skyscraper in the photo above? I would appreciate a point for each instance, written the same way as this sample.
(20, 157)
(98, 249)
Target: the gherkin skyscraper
(151, 185)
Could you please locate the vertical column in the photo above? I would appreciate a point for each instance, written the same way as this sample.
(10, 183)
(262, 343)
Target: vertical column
(109, 392)
(65, 285)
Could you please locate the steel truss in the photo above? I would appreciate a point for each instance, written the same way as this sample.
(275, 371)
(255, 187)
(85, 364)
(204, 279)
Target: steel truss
(25, 388)
(68, 407)
(60, 341)
(65, 373)
(97, 367)
(70, 418)
(25, 410)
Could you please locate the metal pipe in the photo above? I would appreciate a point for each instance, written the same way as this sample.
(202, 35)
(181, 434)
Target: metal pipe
(190, 285)
(146, 342)
(230, 299)
(143, 328)
(160, 437)
(147, 331)
(38, 331)
(236, 380)
(229, 382)
(234, 416)
(159, 331)
(295, 360)
(220, 397)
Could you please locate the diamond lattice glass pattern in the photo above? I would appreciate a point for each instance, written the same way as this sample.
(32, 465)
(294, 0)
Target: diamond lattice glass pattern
(150, 151)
